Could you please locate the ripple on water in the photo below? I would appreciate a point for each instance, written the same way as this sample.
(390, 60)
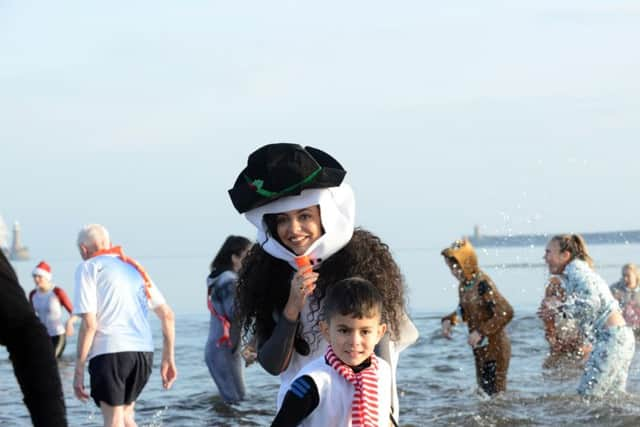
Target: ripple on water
(445, 368)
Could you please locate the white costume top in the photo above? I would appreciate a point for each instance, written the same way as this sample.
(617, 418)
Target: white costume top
(336, 394)
(49, 310)
(337, 214)
(589, 300)
(317, 349)
(114, 290)
(408, 335)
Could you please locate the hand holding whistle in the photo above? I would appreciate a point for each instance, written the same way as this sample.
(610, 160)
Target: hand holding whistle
(303, 284)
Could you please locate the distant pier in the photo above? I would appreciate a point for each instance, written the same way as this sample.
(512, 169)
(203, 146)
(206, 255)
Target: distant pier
(515, 240)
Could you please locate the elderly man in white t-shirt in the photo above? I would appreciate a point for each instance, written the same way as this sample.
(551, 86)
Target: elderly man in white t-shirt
(113, 295)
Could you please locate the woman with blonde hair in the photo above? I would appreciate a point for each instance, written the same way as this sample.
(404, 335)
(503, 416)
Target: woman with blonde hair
(627, 292)
(589, 301)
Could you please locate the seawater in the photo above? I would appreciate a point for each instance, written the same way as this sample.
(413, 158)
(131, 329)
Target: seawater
(436, 384)
(436, 376)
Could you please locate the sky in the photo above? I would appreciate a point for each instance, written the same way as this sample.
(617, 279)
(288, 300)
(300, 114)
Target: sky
(520, 117)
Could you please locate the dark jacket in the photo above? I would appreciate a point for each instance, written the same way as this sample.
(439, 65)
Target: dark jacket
(31, 352)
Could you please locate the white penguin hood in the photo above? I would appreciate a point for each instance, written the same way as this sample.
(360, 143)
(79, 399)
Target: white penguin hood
(337, 214)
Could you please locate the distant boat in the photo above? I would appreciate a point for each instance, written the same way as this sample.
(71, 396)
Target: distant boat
(514, 240)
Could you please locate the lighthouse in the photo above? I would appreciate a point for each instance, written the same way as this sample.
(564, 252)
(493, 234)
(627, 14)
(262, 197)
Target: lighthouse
(18, 252)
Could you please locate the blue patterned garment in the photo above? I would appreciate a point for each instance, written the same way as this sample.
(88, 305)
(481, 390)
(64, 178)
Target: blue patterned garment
(588, 298)
(590, 303)
(608, 365)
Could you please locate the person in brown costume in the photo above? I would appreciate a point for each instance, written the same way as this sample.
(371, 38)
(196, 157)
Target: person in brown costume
(486, 313)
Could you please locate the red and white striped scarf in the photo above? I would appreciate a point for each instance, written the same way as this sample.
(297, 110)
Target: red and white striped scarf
(364, 407)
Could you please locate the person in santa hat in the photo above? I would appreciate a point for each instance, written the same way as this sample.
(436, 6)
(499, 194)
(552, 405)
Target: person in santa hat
(48, 300)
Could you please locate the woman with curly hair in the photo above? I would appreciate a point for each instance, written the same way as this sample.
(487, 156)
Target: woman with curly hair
(589, 301)
(302, 210)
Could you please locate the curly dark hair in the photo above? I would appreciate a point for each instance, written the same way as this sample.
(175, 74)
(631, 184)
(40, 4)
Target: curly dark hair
(264, 283)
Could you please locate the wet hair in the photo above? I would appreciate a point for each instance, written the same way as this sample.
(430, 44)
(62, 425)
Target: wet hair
(575, 245)
(354, 297)
(264, 283)
(233, 245)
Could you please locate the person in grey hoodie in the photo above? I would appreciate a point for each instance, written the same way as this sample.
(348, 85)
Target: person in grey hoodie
(222, 352)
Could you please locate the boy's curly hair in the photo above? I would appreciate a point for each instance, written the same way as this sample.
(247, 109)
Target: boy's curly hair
(264, 283)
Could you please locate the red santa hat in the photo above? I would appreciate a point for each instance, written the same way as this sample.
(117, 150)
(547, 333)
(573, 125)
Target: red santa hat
(42, 269)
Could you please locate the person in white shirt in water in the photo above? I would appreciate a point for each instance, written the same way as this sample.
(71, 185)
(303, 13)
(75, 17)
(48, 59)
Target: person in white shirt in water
(48, 300)
(113, 296)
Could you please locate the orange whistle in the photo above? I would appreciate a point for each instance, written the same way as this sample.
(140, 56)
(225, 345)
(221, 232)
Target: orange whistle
(304, 263)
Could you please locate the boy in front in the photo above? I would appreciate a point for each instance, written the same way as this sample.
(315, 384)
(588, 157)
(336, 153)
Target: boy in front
(349, 385)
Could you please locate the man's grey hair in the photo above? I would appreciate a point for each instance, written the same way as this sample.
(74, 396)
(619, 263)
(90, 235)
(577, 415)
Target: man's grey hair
(94, 237)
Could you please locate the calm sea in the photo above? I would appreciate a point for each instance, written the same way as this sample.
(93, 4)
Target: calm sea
(436, 376)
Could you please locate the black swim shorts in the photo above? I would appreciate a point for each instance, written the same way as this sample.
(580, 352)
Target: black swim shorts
(59, 343)
(118, 378)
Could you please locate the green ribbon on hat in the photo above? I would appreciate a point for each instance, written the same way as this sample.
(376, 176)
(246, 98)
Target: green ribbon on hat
(257, 184)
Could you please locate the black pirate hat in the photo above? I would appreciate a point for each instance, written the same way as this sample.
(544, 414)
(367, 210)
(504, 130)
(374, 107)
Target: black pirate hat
(279, 170)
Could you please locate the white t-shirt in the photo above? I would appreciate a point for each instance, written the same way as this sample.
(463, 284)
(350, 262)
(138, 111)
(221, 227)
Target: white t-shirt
(115, 292)
(49, 310)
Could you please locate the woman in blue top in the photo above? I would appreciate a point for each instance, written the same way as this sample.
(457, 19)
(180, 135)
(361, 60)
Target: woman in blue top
(590, 302)
(222, 352)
